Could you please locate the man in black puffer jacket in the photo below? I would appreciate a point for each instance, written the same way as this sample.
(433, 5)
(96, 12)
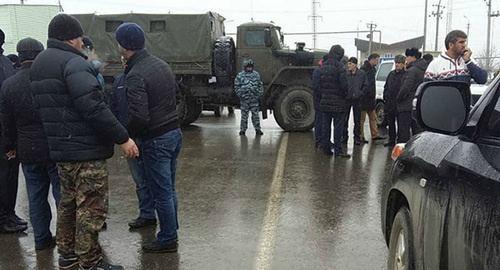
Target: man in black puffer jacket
(154, 124)
(81, 131)
(24, 136)
(414, 76)
(333, 89)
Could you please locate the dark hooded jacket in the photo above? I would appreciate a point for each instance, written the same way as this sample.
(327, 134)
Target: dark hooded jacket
(6, 70)
(332, 86)
(23, 129)
(75, 114)
(152, 96)
(368, 100)
(413, 77)
(391, 91)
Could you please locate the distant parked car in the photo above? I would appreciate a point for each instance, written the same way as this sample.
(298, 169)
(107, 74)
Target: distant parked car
(383, 71)
(440, 207)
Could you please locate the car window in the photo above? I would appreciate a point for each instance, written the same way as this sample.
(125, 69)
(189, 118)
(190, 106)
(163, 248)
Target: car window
(384, 70)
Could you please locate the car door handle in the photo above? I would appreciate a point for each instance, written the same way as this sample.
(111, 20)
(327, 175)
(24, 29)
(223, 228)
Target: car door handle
(245, 55)
(423, 182)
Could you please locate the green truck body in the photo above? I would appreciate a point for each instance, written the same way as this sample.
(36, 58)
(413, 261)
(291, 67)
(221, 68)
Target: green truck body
(205, 61)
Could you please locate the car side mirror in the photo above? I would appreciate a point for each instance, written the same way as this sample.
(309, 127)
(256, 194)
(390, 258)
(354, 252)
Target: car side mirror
(267, 37)
(443, 106)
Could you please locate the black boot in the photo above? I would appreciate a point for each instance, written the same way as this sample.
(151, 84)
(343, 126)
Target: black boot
(10, 227)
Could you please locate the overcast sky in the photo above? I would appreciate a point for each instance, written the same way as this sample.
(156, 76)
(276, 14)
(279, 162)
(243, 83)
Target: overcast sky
(397, 19)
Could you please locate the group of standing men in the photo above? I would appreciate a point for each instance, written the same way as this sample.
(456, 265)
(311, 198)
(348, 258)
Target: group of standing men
(57, 122)
(336, 91)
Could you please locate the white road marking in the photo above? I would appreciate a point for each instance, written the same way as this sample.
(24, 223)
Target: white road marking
(265, 249)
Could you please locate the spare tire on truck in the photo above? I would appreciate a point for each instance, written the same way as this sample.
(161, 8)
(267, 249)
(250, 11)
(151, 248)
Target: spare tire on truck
(224, 60)
(294, 108)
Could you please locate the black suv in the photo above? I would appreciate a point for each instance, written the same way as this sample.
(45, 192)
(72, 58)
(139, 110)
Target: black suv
(441, 204)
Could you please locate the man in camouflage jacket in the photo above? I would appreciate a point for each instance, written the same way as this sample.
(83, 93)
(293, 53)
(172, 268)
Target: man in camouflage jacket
(249, 89)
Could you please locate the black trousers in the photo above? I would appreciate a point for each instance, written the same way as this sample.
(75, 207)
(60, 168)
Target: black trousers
(392, 117)
(9, 179)
(406, 123)
(356, 109)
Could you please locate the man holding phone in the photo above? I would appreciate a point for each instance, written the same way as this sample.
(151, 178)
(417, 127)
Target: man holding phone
(456, 63)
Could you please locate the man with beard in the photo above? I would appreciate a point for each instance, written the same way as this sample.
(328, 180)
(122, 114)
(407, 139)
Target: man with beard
(456, 63)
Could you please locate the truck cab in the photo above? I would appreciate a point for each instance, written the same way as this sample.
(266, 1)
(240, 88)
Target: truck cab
(286, 73)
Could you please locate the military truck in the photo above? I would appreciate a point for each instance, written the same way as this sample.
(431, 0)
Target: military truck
(205, 61)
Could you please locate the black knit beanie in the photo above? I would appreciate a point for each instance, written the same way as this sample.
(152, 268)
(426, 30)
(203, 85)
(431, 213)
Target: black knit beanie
(130, 36)
(65, 27)
(28, 49)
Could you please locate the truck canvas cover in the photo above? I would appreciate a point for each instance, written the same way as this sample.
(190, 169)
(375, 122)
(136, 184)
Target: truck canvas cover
(185, 41)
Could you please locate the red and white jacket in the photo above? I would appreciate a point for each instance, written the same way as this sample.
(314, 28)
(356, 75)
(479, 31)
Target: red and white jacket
(445, 68)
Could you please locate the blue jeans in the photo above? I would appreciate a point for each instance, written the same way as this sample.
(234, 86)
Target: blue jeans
(144, 195)
(39, 177)
(160, 163)
(338, 123)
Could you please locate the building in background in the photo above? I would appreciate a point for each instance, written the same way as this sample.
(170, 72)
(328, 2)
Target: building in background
(387, 51)
(21, 21)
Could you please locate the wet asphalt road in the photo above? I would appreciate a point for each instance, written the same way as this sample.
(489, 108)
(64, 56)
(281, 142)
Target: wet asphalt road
(270, 202)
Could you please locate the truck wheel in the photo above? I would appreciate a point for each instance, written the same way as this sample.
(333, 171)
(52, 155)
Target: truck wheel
(294, 109)
(379, 110)
(188, 111)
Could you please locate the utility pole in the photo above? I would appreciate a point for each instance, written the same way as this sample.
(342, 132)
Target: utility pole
(438, 16)
(449, 18)
(488, 40)
(315, 17)
(425, 24)
(468, 25)
(371, 26)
